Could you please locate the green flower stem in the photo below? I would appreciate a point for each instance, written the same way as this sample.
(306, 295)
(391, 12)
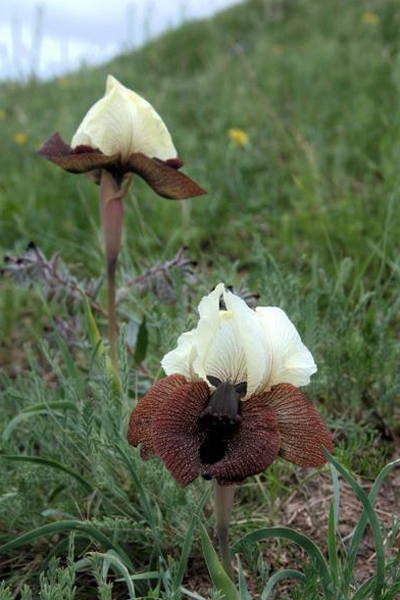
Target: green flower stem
(111, 212)
(223, 505)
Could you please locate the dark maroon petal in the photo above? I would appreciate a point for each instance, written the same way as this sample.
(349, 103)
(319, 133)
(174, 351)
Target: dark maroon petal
(55, 146)
(139, 429)
(164, 177)
(250, 449)
(175, 163)
(303, 433)
(176, 435)
(79, 160)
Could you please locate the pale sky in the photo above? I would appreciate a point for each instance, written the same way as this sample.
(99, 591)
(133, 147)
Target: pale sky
(51, 37)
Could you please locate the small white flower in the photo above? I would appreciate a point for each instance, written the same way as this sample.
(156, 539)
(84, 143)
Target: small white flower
(124, 122)
(260, 347)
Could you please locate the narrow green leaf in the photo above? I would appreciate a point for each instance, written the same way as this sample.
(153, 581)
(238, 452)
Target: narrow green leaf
(277, 577)
(219, 576)
(365, 590)
(57, 490)
(376, 530)
(49, 408)
(332, 548)
(243, 591)
(97, 343)
(301, 540)
(366, 587)
(336, 495)
(192, 594)
(187, 544)
(62, 526)
(131, 334)
(143, 576)
(148, 511)
(141, 342)
(59, 514)
(46, 462)
(119, 566)
(54, 405)
(72, 370)
(362, 523)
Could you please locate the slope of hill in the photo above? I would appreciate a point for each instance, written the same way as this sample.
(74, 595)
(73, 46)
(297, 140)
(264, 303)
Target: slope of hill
(313, 84)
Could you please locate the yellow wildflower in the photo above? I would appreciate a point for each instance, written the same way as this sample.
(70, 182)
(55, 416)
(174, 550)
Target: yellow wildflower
(297, 181)
(369, 18)
(239, 136)
(2, 114)
(20, 138)
(63, 82)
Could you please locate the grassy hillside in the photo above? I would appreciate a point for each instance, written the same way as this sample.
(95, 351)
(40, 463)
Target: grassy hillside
(305, 215)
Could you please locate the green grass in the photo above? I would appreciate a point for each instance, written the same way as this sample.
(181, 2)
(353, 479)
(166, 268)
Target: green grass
(306, 216)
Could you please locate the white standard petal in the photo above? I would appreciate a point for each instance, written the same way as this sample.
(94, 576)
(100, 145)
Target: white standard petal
(253, 341)
(226, 358)
(206, 329)
(292, 362)
(122, 121)
(180, 360)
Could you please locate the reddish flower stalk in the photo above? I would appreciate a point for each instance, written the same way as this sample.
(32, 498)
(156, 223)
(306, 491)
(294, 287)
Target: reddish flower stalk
(121, 135)
(111, 213)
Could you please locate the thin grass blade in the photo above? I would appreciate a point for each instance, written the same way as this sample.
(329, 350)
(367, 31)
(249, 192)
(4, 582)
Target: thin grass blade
(46, 462)
(220, 578)
(243, 591)
(119, 566)
(332, 547)
(336, 495)
(148, 511)
(143, 576)
(376, 529)
(43, 408)
(60, 527)
(301, 540)
(69, 363)
(362, 523)
(279, 576)
(187, 544)
(97, 343)
(190, 594)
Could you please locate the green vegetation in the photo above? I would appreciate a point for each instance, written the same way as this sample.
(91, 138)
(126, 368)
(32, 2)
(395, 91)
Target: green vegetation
(305, 215)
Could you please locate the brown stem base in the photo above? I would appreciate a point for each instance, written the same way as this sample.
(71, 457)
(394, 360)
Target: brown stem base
(111, 212)
(223, 503)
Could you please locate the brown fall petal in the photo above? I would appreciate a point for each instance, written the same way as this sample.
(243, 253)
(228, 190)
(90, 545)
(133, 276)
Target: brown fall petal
(169, 422)
(163, 177)
(79, 160)
(303, 433)
(175, 431)
(139, 430)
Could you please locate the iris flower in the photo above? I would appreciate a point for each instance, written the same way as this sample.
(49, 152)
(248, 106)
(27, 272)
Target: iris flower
(231, 402)
(121, 136)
